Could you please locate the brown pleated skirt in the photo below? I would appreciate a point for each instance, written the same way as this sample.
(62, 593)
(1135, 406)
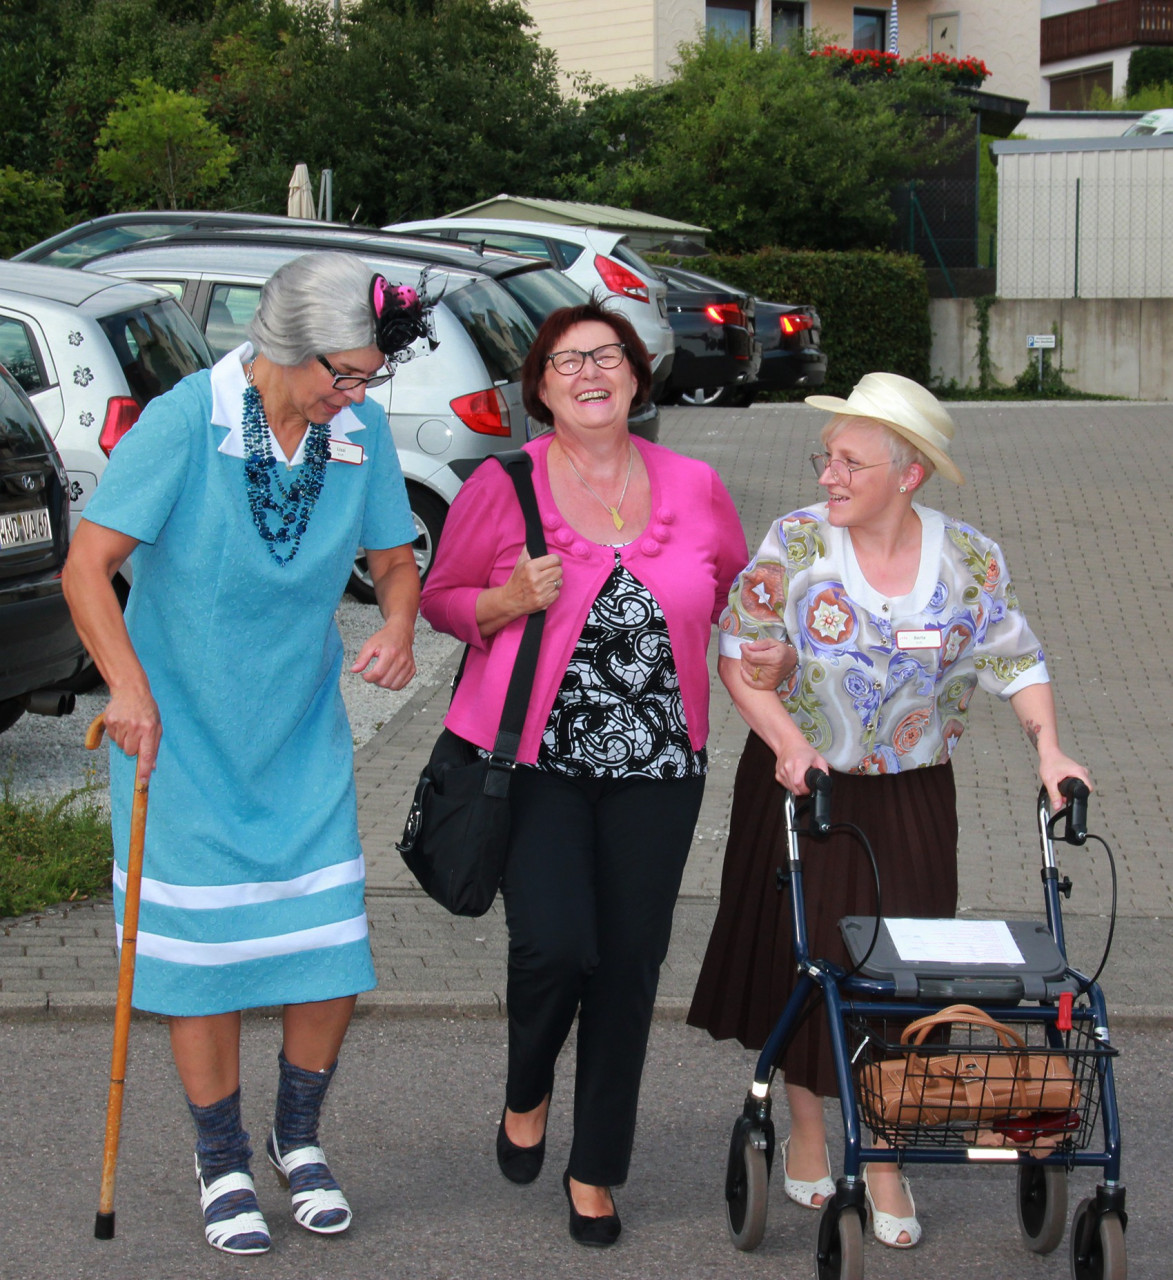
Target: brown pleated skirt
(748, 970)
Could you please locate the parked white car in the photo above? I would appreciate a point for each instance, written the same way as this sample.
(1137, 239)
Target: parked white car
(90, 352)
(594, 259)
(1150, 124)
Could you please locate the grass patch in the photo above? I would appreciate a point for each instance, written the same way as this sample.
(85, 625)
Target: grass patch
(59, 851)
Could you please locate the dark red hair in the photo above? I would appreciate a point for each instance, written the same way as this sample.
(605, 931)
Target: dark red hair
(558, 323)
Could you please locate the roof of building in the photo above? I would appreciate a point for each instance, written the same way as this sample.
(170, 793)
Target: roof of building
(574, 213)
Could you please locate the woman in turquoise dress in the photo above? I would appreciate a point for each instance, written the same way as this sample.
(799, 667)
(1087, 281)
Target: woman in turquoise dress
(240, 499)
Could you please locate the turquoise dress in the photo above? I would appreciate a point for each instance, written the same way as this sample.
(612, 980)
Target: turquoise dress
(252, 891)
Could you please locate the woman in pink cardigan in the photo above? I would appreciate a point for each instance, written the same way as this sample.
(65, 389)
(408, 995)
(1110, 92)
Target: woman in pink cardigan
(643, 544)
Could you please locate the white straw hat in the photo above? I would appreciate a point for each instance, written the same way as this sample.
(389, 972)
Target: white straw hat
(906, 407)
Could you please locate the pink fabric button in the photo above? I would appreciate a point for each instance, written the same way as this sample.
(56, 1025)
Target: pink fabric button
(650, 547)
(564, 537)
(661, 532)
(551, 521)
(581, 550)
(665, 516)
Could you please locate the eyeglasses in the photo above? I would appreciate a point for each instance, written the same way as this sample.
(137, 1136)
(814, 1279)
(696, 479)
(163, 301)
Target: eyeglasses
(570, 361)
(352, 381)
(841, 472)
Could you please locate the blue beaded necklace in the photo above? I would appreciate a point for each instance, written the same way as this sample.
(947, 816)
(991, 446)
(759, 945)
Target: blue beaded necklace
(267, 496)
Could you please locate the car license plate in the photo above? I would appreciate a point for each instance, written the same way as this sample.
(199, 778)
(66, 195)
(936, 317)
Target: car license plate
(25, 529)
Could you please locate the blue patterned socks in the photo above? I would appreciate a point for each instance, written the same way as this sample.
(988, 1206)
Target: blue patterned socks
(318, 1203)
(232, 1218)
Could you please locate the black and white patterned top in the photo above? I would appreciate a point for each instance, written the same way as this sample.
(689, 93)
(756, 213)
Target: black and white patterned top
(618, 712)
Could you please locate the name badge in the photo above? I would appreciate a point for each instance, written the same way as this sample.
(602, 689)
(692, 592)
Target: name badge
(918, 639)
(346, 451)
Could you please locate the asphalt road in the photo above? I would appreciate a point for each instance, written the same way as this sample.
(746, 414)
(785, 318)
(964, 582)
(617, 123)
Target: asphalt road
(410, 1124)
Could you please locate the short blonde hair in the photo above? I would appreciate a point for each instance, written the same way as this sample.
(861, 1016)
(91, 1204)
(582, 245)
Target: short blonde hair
(902, 453)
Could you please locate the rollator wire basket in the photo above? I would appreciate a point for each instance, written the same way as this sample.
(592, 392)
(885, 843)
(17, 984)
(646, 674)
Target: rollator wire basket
(944, 1081)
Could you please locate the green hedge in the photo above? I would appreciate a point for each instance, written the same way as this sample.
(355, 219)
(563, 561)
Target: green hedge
(30, 210)
(874, 306)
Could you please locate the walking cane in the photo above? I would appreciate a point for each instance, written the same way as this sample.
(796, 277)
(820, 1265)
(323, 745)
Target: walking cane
(104, 1222)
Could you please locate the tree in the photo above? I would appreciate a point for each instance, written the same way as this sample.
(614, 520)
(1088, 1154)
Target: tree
(30, 210)
(445, 103)
(159, 144)
(767, 146)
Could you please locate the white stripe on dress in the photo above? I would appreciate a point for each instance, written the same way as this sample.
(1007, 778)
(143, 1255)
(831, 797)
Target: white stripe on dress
(198, 897)
(158, 947)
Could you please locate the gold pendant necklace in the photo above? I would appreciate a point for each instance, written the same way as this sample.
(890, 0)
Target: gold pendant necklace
(616, 519)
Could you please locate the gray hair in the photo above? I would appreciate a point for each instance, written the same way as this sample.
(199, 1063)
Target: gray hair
(901, 452)
(316, 304)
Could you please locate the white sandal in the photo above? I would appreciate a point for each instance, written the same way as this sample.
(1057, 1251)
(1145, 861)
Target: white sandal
(886, 1227)
(229, 1234)
(804, 1193)
(309, 1205)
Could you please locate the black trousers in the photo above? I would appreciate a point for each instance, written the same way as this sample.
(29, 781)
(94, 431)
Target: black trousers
(590, 885)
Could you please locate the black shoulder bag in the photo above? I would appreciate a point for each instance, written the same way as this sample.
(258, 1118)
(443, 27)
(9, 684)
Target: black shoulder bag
(457, 832)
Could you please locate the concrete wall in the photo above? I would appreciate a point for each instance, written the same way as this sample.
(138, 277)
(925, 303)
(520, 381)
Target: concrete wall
(1106, 346)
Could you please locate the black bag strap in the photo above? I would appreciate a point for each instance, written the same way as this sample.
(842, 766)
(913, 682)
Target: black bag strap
(519, 467)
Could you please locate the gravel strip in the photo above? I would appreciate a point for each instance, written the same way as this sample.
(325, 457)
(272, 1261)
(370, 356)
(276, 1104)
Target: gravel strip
(45, 756)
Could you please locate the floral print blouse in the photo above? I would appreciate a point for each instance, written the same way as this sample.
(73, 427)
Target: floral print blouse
(883, 683)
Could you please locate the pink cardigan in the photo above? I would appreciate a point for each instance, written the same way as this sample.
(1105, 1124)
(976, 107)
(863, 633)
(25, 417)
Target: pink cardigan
(687, 557)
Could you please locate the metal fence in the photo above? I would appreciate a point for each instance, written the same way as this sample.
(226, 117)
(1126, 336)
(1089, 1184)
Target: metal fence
(1086, 224)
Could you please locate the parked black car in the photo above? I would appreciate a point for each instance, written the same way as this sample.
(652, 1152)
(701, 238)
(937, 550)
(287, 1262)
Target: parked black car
(39, 649)
(716, 352)
(788, 335)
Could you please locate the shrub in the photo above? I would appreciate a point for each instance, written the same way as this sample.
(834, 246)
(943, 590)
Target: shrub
(30, 210)
(874, 306)
(1148, 68)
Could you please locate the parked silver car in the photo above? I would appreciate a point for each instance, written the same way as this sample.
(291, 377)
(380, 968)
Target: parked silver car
(596, 260)
(449, 407)
(90, 353)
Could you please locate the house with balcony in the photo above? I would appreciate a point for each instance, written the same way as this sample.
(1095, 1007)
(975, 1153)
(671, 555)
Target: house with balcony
(617, 42)
(1086, 46)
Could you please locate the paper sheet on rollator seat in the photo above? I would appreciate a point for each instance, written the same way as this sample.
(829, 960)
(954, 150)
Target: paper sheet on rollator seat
(954, 942)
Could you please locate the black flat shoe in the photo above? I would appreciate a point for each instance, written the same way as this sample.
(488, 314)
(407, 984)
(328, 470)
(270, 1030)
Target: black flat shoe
(519, 1164)
(599, 1232)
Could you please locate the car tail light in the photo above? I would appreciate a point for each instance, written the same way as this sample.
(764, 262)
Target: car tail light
(796, 323)
(618, 279)
(484, 411)
(725, 313)
(121, 414)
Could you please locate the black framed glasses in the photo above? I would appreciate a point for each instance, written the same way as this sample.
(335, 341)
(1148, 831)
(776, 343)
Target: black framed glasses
(840, 471)
(352, 381)
(608, 356)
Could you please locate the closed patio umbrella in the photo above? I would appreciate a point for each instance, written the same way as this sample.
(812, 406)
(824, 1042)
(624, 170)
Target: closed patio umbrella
(301, 196)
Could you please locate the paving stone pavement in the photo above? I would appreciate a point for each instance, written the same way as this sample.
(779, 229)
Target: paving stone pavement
(1077, 495)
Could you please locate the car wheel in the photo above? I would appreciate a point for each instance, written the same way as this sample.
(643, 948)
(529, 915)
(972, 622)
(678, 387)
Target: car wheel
(706, 397)
(428, 513)
(10, 712)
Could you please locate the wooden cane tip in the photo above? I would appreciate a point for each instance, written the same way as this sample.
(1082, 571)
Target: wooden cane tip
(95, 731)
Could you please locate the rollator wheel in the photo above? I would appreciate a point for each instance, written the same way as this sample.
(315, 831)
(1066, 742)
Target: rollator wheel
(747, 1185)
(1097, 1254)
(839, 1255)
(1042, 1206)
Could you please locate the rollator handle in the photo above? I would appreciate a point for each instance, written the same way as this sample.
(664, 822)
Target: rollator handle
(819, 784)
(1075, 792)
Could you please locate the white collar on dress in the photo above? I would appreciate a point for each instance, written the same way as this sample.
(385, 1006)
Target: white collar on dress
(228, 387)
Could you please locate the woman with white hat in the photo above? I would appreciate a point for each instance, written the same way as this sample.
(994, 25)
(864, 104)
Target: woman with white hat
(897, 613)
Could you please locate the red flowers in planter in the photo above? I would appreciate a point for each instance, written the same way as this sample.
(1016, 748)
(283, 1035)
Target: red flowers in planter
(876, 62)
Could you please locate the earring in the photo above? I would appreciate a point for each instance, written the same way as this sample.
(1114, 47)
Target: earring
(904, 488)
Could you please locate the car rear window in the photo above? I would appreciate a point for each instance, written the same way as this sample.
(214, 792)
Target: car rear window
(21, 433)
(566, 252)
(627, 255)
(106, 240)
(156, 346)
(499, 327)
(540, 292)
